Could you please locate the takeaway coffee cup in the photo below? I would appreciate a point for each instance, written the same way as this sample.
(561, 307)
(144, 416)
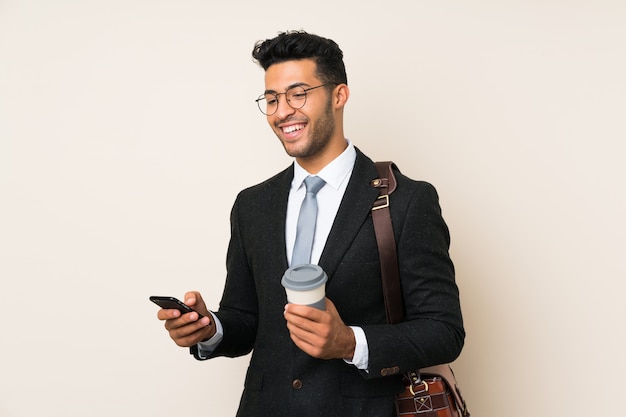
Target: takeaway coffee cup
(306, 284)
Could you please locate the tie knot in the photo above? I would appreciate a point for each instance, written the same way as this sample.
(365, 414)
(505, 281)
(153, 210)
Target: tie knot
(313, 184)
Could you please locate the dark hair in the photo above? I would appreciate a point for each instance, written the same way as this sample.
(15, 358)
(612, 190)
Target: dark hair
(296, 45)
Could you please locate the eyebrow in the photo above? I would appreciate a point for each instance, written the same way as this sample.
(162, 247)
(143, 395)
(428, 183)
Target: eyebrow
(298, 84)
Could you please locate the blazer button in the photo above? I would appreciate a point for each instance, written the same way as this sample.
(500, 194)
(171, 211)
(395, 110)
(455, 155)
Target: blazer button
(384, 372)
(296, 384)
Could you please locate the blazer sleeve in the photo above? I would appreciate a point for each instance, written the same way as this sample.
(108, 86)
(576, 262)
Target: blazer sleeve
(432, 332)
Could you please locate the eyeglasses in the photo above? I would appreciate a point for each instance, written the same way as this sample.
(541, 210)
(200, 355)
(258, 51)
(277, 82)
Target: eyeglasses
(295, 96)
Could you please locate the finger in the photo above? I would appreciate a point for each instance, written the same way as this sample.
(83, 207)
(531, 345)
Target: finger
(190, 339)
(308, 343)
(305, 312)
(190, 332)
(297, 323)
(302, 338)
(303, 329)
(185, 320)
(182, 328)
(168, 314)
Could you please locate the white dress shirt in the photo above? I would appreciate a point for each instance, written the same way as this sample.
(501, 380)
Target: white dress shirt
(336, 175)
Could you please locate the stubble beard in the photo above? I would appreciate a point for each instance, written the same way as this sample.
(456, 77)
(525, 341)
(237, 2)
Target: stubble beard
(319, 136)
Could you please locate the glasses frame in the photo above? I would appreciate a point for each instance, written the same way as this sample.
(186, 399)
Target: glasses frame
(259, 101)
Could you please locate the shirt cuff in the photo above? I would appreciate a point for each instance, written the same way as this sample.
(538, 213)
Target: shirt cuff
(208, 346)
(361, 351)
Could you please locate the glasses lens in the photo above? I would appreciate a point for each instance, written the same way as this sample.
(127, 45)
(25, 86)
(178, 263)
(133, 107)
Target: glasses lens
(268, 103)
(296, 97)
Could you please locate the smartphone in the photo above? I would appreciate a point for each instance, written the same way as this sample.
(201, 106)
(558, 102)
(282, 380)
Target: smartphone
(172, 303)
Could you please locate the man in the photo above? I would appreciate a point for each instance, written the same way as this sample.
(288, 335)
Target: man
(344, 361)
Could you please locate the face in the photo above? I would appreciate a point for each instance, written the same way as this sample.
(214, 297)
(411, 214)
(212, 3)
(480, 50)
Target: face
(308, 132)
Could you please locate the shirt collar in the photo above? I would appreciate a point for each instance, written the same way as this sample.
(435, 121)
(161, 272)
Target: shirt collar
(334, 173)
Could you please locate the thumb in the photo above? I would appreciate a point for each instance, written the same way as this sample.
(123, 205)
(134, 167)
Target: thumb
(192, 298)
(330, 307)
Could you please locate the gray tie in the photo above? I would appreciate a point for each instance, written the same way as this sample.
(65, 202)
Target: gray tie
(306, 222)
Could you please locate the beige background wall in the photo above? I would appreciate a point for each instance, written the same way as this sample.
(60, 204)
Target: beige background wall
(128, 126)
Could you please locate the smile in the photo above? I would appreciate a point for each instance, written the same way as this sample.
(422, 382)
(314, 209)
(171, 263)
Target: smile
(293, 128)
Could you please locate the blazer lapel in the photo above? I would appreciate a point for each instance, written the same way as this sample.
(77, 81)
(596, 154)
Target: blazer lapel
(354, 209)
(278, 196)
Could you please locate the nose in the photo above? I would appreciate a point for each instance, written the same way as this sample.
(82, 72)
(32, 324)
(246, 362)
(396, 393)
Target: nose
(284, 109)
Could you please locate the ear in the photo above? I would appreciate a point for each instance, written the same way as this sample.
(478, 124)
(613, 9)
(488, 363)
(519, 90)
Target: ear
(341, 93)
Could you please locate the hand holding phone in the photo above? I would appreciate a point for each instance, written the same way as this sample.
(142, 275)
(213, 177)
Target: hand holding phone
(185, 330)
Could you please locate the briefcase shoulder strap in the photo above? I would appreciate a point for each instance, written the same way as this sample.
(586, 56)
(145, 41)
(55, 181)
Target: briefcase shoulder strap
(383, 228)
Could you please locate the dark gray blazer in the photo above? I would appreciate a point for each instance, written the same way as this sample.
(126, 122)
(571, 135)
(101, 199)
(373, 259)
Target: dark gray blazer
(284, 381)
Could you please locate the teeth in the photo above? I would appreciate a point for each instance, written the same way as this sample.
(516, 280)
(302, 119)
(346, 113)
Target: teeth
(293, 128)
